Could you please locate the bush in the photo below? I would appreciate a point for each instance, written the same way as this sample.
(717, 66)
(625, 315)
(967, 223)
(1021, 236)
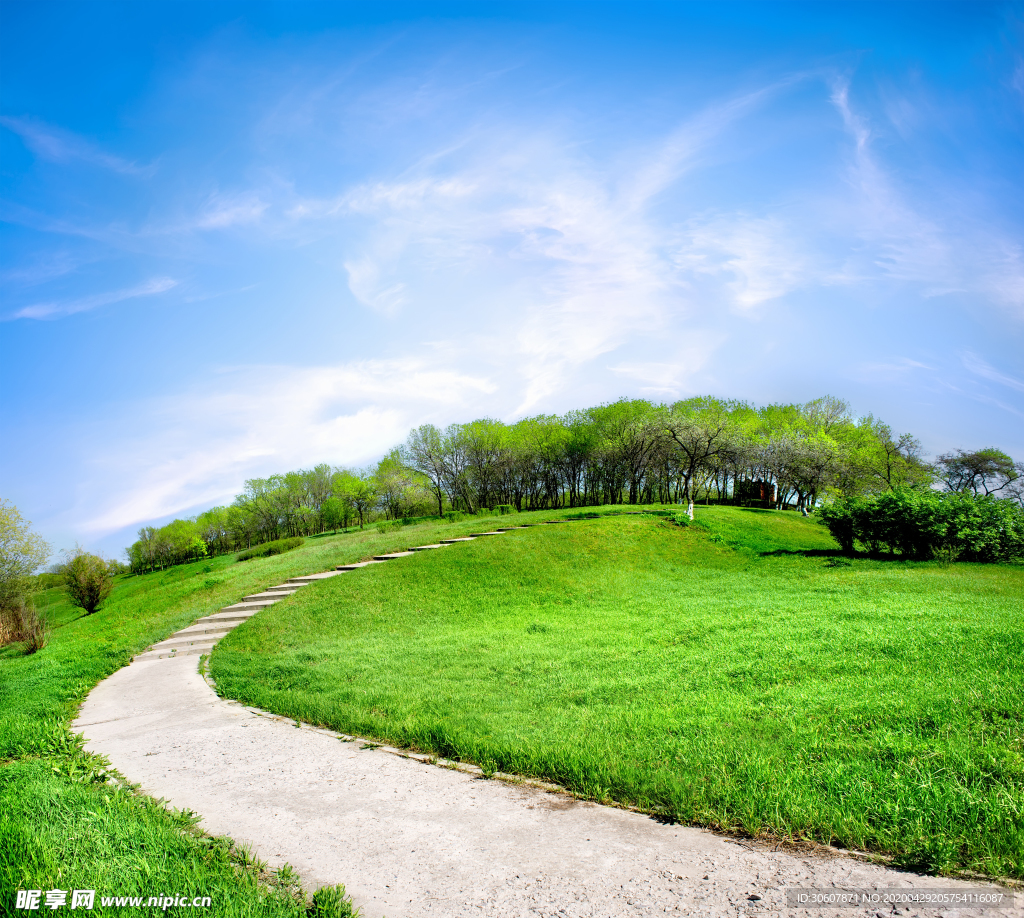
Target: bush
(505, 509)
(929, 524)
(21, 552)
(278, 547)
(87, 579)
(385, 526)
(453, 516)
(21, 622)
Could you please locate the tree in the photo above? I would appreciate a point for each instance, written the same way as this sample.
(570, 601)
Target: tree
(333, 511)
(22, 552)
(423, 451)
(358, 491)
(985, 471)
(700, 431)
(87, 579)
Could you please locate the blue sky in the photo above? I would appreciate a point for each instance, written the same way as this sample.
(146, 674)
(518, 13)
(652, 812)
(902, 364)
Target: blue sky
(237, 239)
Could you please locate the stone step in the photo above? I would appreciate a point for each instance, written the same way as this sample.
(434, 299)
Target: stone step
(221, 617)
(392, 556)
(478, 534)
(425, 547)
(170, 654)
(285, 588)
(270, 595)
(208, 628)
(183, 642)
(453, 541)
(249, 606)
(356, 565)
(312, 578)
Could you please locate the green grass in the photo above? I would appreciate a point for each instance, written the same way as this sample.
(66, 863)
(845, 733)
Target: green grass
(735, 674)
(63, 823)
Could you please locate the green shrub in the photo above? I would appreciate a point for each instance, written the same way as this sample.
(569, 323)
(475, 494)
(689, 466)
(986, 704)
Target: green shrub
(454, 516)
(505, 509)
(929, 524)
(87, 580)
(385, 526)
(267, 549)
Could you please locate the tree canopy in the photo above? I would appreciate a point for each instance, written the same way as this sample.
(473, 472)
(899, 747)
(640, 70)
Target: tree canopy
(631, 451)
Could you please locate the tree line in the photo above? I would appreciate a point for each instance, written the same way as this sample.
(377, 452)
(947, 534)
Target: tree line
(632, 451)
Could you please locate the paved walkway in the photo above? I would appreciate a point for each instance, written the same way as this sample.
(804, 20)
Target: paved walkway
(409, 838)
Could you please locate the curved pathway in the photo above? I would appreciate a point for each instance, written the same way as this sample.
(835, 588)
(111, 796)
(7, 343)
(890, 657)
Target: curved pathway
(409, 838)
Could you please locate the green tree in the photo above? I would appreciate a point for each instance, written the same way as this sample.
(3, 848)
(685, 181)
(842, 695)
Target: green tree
(984, 471)
(22, 552)
(358, 491)
(333, 513)
(87, 579)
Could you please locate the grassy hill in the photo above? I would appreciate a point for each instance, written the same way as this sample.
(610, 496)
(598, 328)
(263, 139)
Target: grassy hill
(66, 822)
(737, 674)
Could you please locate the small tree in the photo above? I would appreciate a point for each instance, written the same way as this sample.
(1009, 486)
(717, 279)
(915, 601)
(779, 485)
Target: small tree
(985, 471)
(22, 552)
(87, 579)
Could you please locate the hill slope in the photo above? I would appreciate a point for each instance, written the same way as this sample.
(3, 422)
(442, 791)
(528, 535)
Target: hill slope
(735, 673)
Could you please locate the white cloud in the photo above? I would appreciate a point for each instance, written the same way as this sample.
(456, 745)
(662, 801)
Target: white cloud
(195, 448)
(223, 211)
(674, 378)
(922, 244)
(524, 233)
(979, 367)
(60, 146)
(756, 258)
(54, 309)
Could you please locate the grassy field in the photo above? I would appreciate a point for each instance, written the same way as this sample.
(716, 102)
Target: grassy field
(737, 674)
(64, 824)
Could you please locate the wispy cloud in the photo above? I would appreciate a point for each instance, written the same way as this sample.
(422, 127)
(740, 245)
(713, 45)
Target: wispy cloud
(523, 231)
(200, 446)
(979, 367)
(61, 146)
(908, 241)
(758, 259)
(43, 269)
(222, 211)
(53, 310)
(682, 149)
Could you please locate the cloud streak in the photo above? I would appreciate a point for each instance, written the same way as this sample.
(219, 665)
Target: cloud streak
(908, 244)
(199, 446)
(54, 310)
(60, 146)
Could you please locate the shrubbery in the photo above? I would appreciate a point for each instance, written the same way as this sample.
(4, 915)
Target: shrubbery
(278, 547)
(87, 579)
(929, 524)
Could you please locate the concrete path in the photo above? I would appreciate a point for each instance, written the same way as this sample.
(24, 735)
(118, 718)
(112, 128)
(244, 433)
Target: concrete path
(410, 838)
